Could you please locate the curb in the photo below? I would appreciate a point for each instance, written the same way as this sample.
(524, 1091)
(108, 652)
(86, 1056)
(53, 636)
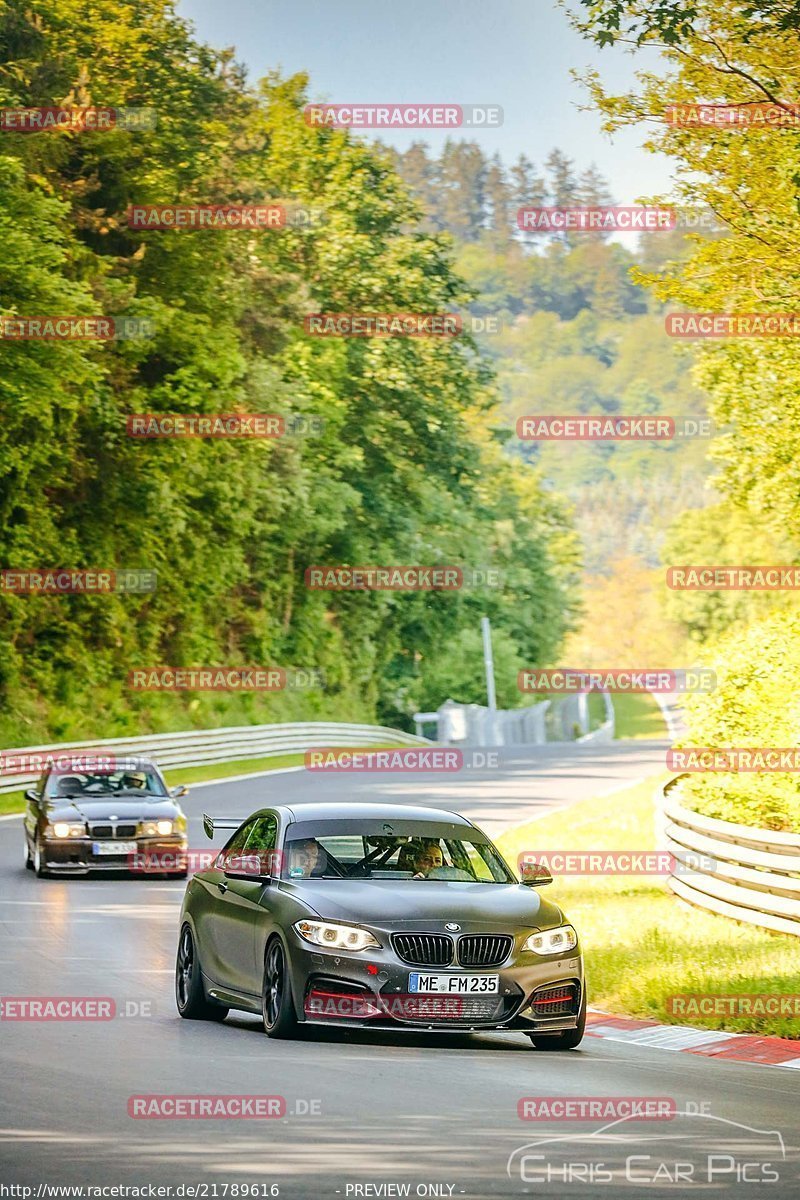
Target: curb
(711, 1043)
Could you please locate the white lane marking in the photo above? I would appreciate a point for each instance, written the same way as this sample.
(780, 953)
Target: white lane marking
(13, 817)
(663, 1037)
(791, 1062)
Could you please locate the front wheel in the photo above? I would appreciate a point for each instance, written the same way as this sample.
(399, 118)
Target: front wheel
(568, 1040)
(277, 1010)
(27, 850)
(39, 868)
(189, 994)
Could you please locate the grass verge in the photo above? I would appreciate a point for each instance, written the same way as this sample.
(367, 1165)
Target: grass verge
(641, 943)
(637, 715)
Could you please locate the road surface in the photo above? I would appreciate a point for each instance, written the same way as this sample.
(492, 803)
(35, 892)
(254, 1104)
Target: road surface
(367, 1114)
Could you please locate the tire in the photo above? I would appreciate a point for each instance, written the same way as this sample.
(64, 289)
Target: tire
(190, 996)
(277, 1008)
(28, 861)
(37, 865)
(568, 1040)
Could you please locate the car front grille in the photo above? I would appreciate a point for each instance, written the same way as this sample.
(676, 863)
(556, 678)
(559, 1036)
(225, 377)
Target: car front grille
(112, 831)
(423, 949)
(484, 950)
(449, 1010)
(560, 1000)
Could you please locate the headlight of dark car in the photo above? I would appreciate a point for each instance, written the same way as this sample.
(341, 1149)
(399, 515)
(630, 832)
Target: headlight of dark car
(552, 941)
(335, 936)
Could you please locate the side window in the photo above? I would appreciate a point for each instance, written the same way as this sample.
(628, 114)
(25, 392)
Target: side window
(235, 845)
(260, 856)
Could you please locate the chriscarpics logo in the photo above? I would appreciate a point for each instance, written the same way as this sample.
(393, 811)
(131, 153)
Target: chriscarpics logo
(693, 1152)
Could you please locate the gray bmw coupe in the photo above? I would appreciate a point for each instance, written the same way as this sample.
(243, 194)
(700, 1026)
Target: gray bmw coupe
(376, 916)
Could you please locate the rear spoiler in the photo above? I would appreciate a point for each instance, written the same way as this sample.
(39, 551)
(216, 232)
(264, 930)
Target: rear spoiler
(212, 824)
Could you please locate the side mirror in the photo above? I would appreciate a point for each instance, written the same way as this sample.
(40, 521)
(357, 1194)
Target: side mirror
(32, 795)
(180, 790)
(248, 866)
(535, 875)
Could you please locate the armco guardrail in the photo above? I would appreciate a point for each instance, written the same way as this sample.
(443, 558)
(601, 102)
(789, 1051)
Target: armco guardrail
(738, 871)
(199, 747)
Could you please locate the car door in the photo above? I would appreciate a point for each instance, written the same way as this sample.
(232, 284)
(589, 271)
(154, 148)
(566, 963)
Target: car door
(236, 910)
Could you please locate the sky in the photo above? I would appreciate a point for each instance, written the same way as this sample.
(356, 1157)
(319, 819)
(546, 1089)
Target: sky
(515, 53)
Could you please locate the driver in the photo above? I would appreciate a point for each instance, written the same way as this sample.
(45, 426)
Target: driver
(136, 780)
(428, 859)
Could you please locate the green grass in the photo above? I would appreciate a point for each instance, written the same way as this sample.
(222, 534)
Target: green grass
(637, 715)
(641, 943)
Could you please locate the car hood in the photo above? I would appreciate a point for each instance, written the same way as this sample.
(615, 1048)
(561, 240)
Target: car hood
(125, 808)
(414, 902)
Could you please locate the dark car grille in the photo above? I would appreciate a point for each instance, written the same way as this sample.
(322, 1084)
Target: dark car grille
(484, 950)
(111, 831)
(558, 1001)
(423, 949)
(453, 1010)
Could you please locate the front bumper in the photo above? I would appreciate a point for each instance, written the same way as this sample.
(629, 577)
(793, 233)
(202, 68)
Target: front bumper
(371, 990)
(76, 855)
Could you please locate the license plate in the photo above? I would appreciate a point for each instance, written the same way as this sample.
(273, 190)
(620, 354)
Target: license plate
(116, 848)
(454, 985)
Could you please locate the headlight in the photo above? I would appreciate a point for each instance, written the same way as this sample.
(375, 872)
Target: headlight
(552, 941)
(336, 937)
(157, 828)
(65, 829)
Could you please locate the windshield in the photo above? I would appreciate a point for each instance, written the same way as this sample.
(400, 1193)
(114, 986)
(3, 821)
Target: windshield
(94, 785)
(414, 856)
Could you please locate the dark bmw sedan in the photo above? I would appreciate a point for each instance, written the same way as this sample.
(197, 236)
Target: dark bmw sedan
(94, 816)
(376, 916)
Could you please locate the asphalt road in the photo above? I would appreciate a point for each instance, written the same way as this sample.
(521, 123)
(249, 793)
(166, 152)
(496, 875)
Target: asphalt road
(367, 1114)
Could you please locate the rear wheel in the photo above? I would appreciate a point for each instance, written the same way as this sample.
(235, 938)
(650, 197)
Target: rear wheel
(28, 862)
(189, 993)
(568, 1040)
(277, 1010)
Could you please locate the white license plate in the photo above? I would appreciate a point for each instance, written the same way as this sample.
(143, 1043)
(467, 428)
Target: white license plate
(117, 848)
(454, 985)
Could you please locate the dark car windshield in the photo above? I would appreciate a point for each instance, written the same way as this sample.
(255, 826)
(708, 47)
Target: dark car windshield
(94, 785)
(417, 854)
